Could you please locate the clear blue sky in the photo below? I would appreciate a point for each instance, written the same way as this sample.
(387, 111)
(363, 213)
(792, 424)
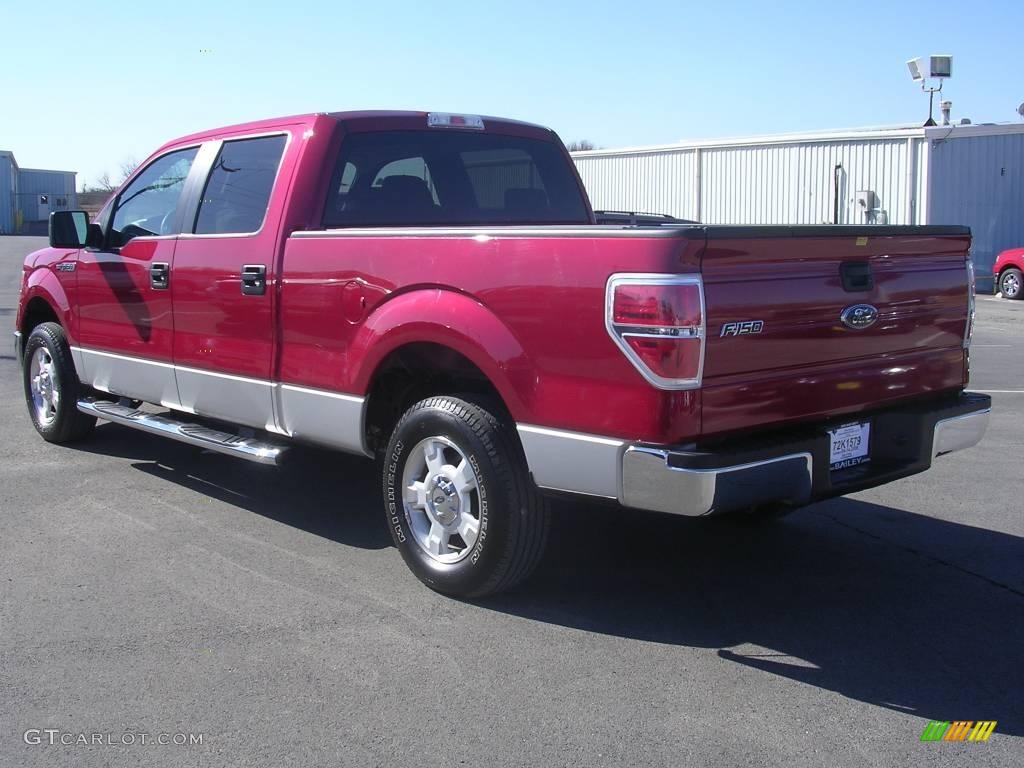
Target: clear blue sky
(87, 85)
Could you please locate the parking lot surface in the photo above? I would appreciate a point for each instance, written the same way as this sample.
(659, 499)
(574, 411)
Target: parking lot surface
(148, 587)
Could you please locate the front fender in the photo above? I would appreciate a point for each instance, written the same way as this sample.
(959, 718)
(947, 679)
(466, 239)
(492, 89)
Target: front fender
(44, 284)
(453, 320)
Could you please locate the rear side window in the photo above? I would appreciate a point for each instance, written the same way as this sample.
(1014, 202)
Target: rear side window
(451, 178)
(238, 190)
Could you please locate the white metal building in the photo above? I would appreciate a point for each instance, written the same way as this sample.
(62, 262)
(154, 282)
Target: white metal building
(962, 174)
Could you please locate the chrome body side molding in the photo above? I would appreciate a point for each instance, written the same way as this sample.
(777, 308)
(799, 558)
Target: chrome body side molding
(237, 399)
(126, 376)
(572, 461)
(330, 419)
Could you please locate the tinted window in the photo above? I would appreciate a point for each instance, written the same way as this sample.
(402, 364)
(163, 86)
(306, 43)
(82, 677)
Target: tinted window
(238, 190)
(439, 177)
(146, 206)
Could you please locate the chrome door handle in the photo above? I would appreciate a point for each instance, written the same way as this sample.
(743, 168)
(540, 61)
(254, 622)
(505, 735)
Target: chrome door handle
(160, 275)
(254, 279)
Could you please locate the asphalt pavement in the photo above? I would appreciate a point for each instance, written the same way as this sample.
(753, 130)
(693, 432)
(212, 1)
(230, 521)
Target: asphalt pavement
(150, 588)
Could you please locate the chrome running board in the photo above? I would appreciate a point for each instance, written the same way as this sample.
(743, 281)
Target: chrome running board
(251, 448)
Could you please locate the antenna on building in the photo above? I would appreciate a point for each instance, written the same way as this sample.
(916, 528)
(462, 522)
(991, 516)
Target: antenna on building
(939, 68)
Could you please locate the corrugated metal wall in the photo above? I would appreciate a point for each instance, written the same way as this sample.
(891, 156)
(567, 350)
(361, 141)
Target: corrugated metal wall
(797, 183)
(921, 174)
(777, 183)
(59, 186)
(8, 185)
(655, 182)
(971, 175)
(979, 181)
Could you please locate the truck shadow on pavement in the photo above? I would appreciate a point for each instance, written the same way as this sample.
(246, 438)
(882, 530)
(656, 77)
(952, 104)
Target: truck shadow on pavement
(885, 606)
(327, 494)
(892, 608)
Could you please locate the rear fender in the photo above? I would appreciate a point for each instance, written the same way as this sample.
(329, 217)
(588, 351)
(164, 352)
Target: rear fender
(453, 320)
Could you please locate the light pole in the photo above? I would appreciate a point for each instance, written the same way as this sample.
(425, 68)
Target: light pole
(939, 68)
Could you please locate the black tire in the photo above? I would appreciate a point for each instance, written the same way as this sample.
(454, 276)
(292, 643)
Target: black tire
(1011, 283)
(63, 423)
(513, 518)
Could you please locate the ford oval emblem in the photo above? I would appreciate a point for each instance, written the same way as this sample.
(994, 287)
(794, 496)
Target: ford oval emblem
(859, 316)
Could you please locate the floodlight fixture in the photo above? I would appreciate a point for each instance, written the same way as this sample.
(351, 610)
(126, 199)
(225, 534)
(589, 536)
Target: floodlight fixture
(939, 68)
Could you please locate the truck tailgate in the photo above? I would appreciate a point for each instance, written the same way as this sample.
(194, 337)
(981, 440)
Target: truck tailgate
(777, 348)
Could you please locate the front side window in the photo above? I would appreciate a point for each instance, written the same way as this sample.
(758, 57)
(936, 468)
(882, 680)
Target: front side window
(451, 178)
(238, 191)
(146, 207)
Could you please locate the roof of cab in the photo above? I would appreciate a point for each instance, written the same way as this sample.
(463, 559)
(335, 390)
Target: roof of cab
(364, 116)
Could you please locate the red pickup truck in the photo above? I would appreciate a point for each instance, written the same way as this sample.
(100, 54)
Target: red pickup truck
(435, 291)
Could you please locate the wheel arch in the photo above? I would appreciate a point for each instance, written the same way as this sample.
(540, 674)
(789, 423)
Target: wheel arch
(1010, 265)
(37, 311)
(45, 300)
(436, 341)
(414, 371)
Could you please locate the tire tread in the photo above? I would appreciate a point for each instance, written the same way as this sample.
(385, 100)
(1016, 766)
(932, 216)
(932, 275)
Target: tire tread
(530, 533)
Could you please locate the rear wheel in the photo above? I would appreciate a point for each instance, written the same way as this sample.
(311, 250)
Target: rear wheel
(52, 386)
(1011, 284)
(459, 502)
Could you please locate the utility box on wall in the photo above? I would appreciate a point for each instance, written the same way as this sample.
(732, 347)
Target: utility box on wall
(865, 200)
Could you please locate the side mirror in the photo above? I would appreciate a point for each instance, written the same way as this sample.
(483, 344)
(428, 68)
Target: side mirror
(69, 229)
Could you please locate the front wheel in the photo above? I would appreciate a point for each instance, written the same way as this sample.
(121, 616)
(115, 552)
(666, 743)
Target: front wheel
(52, 386)
(1011, 284)
(460, 505)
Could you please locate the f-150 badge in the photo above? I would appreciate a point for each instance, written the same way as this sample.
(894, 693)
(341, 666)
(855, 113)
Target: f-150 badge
(743, 328)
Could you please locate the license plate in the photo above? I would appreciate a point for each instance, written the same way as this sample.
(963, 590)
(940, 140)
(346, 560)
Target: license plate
(848, 445)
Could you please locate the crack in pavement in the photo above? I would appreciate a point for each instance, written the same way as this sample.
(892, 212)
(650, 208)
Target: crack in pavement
(927, 556)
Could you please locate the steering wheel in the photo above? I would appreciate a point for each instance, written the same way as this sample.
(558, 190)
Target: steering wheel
(165, 223)
(131, 231)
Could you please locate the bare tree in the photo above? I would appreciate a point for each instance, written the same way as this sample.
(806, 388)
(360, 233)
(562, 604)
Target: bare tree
(104, 183)
(127, 167)
(582, 145)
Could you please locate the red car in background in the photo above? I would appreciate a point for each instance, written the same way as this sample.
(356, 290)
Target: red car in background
(1008, 273)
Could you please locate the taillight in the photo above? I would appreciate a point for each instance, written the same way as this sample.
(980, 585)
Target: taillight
(969, 329)
(658, 323)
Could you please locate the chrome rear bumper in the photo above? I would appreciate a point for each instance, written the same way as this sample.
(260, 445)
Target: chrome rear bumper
(649, 481)
(796, 472)
(959, 432)
(789, 467)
